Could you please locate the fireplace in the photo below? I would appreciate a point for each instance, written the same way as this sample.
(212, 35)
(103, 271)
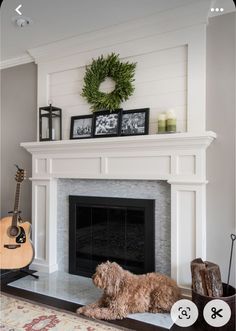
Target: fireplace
(179, 159)
(114, 229)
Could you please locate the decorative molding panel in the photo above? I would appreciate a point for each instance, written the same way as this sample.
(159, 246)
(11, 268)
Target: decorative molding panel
(166, 156)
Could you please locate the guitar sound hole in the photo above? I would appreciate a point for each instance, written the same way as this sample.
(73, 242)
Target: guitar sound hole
(14, 231)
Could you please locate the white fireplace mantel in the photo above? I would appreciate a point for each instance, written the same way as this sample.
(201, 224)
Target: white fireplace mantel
(177, 158)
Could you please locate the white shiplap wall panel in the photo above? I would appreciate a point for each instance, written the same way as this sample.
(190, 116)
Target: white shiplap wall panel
(66, 88)
(160, 83)
(162, 57)
(149, 99)
(67, 76)
(165, 100)
(160, 86)
(171, 70)
(153, 87)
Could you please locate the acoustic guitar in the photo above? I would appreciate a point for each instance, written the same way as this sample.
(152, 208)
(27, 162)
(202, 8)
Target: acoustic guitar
(16, 249)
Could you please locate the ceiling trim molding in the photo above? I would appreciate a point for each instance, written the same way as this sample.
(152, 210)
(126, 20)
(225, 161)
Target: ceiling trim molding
(196, 13)
(23, 59)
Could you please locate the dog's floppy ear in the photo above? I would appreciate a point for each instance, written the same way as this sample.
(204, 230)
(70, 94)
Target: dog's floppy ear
(114, 278)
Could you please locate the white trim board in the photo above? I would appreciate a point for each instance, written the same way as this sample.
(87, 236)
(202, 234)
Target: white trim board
(23, 59)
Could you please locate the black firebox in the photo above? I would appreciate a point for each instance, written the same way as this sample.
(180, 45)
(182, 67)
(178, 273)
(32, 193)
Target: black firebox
(114, 229)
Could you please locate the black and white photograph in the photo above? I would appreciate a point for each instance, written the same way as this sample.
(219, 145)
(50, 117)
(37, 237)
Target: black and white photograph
(135, 122)
(107, 124)
(81, 127)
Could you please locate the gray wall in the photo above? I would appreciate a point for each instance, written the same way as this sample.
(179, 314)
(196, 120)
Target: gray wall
(221, 154)
(18, 124)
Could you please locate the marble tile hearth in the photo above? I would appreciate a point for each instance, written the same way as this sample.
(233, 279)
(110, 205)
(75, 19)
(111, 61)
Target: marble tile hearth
(77, 289)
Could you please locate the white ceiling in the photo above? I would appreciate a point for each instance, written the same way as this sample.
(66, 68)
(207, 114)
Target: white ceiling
(55, 20)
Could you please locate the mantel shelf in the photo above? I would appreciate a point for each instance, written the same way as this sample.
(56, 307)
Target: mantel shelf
(175, 140)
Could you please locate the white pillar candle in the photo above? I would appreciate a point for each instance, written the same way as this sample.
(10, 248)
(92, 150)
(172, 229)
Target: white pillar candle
(53, 134)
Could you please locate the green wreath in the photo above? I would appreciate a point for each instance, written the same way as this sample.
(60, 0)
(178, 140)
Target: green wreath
(121, 72)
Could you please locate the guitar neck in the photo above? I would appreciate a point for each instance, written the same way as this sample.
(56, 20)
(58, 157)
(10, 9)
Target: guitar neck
(16, 205)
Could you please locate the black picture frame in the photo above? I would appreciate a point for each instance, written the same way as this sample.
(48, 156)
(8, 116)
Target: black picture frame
(81, 127)
(135, 122)
(107, 124)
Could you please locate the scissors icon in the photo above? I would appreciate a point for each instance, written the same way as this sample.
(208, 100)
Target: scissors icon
(216, 312)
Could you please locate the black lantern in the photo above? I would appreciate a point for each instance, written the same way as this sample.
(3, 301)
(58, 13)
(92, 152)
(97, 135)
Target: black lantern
(50, 123)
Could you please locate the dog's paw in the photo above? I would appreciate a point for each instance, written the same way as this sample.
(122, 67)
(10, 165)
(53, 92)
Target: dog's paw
(80, 310)
(88, 313)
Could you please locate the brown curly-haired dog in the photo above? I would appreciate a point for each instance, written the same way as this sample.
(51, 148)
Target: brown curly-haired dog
(126, 293)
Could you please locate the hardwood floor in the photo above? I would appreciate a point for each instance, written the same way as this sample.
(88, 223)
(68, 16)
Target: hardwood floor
(69, 306)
